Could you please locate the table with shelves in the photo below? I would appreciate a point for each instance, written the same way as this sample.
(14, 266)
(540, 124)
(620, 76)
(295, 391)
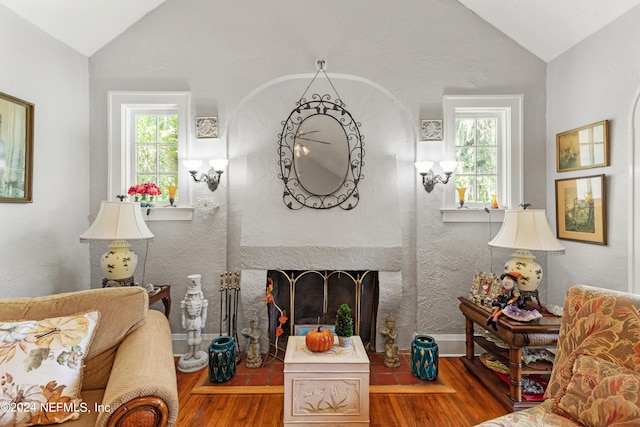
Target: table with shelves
(541, 332)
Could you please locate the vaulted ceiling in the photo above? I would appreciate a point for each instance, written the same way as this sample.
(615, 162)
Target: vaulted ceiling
(546, 28)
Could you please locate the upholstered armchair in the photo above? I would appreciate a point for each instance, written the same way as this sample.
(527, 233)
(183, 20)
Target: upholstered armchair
(595, 379)
(114, 354)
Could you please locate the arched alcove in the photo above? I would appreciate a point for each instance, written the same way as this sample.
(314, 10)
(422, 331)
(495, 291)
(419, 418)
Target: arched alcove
(265, 235)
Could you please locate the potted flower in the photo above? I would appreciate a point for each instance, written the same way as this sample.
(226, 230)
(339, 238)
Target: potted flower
(344, 325)
(143, 191)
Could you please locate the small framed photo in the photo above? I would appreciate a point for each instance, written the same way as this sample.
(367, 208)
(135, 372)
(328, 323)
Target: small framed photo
(206, 127)
(431, 130)
(583, 148)
(485, 288)
(581, 212)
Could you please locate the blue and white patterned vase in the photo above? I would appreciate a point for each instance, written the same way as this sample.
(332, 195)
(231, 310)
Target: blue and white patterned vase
(424, 357)
(222, 359)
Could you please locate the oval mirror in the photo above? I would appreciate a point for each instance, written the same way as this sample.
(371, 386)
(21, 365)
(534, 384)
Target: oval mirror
(321, 154)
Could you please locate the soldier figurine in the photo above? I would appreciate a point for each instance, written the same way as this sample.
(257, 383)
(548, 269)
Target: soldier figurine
(194, 316)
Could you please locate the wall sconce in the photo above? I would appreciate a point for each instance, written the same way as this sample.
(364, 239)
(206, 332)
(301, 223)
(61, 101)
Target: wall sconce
(429, 179)
(212, 178)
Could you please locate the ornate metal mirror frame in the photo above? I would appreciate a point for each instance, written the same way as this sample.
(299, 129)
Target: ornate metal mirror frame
(320, 153)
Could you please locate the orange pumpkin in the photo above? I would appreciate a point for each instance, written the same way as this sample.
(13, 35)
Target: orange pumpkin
(319, 340)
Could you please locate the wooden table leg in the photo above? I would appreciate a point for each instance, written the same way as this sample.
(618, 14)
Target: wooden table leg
(515, 373)
(166, 301)
(468, 329)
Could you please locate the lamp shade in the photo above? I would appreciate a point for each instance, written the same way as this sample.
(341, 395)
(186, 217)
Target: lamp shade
(527, 229)
(118, 221)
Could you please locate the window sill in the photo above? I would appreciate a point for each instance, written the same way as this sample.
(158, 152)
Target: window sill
(472, 215)
(165, 213)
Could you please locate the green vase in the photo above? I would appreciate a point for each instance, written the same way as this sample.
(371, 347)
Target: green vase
(424, 357)
(222, 359)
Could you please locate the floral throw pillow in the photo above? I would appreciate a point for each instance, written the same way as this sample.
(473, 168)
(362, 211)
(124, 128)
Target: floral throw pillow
(41, 365)
(602, 393)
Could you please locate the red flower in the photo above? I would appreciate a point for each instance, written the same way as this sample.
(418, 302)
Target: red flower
(148, 188)
(279, 331)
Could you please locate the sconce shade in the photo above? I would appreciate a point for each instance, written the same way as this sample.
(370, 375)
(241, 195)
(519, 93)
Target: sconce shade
(424, 166)
(448, 165)
(192, 165)
(218, 164)
(527, 229)
(118, 221)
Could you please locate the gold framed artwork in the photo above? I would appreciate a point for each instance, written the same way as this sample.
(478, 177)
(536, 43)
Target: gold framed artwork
(16, 150)
(583, 148)
(581, 209)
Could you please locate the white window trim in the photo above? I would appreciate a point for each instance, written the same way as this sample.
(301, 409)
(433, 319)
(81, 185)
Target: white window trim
(512, 172)
(119, 161)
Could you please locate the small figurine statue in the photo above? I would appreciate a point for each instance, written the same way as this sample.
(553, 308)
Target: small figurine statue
(509, 294)
(391, 357)
(194, 316)
(252, 335)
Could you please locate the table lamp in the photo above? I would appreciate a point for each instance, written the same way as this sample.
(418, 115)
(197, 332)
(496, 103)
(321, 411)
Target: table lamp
(118, 222)
(527, 232)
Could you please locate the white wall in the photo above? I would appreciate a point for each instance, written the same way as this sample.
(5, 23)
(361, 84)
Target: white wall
(414, 52)
(40, 252)
(596, 80)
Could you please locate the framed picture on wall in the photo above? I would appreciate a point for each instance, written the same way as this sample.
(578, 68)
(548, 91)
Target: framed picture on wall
(16, 150)
(583, 148)
(581, 212)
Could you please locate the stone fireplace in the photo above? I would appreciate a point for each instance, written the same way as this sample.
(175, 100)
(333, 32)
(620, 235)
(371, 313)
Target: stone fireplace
(312, 297)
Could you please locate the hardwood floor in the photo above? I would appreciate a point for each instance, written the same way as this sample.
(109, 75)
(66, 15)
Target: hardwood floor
(470, 405)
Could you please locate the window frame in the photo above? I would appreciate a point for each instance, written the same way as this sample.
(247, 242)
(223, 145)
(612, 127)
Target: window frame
(510, 161)
(121, 158)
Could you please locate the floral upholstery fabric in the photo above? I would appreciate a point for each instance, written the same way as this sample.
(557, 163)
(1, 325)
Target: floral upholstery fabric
(602, 393)
(41, 365)
(601, 324)
(537, 416)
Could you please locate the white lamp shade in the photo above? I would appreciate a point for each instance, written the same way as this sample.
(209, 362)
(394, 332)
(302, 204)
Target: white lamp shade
(527, 229)
(118, 221)
(424, 166)
(448, 165)
(219, 165)
(192, 165)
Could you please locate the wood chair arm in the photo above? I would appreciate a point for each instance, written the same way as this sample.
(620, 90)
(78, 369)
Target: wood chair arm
(147, 411)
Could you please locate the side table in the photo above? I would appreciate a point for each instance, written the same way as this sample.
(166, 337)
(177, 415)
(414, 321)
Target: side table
(541, 332)
(162, 293)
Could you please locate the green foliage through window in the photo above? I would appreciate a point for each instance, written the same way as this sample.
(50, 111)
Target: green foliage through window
(476, 149)
(157, 151)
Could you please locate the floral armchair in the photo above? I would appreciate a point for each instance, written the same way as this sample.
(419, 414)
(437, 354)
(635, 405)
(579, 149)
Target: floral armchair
(596, 375)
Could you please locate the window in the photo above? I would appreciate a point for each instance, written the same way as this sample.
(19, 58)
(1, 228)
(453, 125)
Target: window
(477, 150)
(155, 159)
(484, 135)
(148, 134)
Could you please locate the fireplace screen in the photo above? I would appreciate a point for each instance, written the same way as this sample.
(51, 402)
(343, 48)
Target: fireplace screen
(312, 297)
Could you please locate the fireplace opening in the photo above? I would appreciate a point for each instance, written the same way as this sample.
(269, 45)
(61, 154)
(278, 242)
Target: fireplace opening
(312, 297)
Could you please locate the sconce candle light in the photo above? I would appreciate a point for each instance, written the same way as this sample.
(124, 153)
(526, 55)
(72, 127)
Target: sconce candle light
(430, 179)
(212, 178)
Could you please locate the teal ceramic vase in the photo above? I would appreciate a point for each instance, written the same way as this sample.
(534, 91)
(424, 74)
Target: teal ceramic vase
(222, 359)
(424, 357)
